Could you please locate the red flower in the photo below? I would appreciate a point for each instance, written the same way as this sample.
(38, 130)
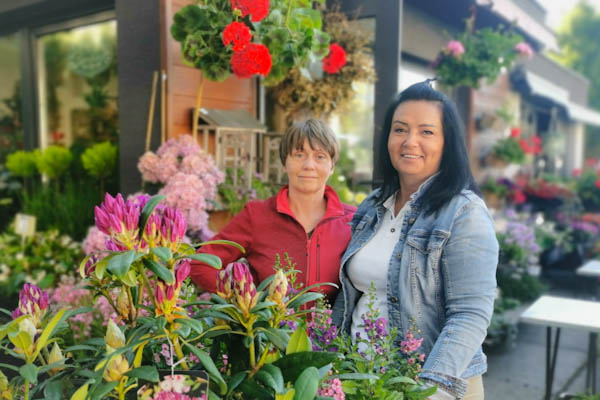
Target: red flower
(537, 144)
(519, 197)
(514, 132)
(576, 172)
(238, 33)
(335, 60)
(591, 162)
(525, 146)
(254, 59)
(598, 183)
(257, 9)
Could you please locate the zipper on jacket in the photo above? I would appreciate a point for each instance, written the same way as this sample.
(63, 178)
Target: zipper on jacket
(307, 283)
(318, 260)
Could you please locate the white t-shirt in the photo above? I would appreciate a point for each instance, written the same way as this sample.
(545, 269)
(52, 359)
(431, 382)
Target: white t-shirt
(370, 264)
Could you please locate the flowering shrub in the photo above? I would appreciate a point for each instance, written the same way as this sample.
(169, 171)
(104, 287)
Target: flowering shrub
(587, 186)
(374, 367)
(250, 37)
(515, 148)
(189, 175)
(477, 54)
(41, 259)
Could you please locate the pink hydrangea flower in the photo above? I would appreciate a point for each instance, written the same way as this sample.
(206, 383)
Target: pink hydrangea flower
(455, 48)
(95, 241)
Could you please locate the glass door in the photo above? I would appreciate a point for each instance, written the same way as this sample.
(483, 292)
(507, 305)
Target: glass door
(77, 83)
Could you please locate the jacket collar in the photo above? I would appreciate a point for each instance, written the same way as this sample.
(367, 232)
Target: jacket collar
(422, 188)
(334, 205)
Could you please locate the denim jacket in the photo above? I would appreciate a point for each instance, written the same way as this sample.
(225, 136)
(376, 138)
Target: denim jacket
(441, 278)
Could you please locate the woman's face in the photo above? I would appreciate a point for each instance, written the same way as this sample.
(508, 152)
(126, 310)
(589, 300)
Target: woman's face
(308, 169)
(416, 140)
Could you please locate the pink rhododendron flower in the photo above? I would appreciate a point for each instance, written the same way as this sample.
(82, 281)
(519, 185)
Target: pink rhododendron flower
(95, 241)
(455, 48)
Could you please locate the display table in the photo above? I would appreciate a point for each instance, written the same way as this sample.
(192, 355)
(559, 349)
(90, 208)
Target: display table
(591, 270)
(560, 312)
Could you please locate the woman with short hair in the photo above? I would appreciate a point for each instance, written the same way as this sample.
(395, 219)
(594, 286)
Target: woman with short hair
(305, 219)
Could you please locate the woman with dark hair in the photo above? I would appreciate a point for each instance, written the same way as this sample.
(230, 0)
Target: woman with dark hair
(426, 240)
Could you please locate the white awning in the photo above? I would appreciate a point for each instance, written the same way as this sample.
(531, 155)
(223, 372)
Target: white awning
(544, 88)
(512, 12)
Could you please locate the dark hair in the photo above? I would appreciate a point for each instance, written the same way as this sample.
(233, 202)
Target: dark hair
(454, 172)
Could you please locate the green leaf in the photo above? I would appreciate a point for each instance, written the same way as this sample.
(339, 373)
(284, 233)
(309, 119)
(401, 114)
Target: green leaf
(304, 298)
(208, 259)
(355, 376)
(307, 384)
(293, 364)
(102, 390)
(210, 367)
(120, 263)
(228, 242)
(148, 208)
(396, 379)
(29, 372)
(192, 323)
(48, 330)
(299, 341)
(130, 278)
(164, 253)
(81, 393)
(101, 267)
(160, 271)
(20, 339)
(82, 266)
(252, 390)
(277, 336)
(235, 381)
(271, 376)
(146, 372)
(53, 390)
(9, 366)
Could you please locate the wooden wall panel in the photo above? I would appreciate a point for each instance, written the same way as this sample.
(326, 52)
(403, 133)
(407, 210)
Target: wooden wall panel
(183, 82)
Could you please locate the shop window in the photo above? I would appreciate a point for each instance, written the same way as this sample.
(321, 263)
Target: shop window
(11, 128)
(77, 85)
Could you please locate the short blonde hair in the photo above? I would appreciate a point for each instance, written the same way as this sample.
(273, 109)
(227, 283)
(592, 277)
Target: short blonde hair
(318, 134)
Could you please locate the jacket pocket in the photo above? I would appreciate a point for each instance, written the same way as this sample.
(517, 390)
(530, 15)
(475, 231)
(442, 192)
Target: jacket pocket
(425, 249)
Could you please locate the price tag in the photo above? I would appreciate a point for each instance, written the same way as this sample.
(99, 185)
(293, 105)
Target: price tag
(25, 225)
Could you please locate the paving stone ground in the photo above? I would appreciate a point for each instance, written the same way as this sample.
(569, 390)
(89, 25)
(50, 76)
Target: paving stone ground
(518, 372)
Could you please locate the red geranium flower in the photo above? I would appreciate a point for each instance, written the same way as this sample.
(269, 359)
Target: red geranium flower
(598, 183)
(257, 9)
(519, 197)
(576, 172)
(514, 132)
(335, 60)
(254, 59)
(238, 33)
(525, 146)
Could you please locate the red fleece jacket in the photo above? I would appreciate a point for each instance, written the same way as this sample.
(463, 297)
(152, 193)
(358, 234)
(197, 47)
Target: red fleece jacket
(266, 228)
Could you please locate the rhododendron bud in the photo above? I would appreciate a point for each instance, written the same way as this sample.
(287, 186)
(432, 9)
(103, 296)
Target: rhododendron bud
(116, 368)
(182, 272)
(225, 282)
(335, 60)
(26, 325)
(56, 355)
(114, 336)
(159, 294)
(123, 303)
(455, 48)
(170, 292)
(278, 288)
(32, 301)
